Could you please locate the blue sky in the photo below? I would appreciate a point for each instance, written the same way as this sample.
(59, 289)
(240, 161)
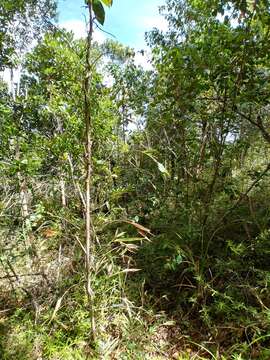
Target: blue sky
(128, 20)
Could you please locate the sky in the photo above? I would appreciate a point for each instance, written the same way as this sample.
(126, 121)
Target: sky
(127, 20)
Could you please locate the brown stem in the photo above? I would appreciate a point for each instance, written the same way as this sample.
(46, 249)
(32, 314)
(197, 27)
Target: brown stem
(75, 182)
(258, 124)
(88, 164)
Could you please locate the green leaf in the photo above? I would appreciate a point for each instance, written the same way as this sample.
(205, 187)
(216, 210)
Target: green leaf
(99, 11)
(160, 166)
(107, 2)
(162, 169)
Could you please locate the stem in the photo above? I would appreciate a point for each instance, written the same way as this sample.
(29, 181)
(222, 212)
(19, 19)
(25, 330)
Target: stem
(88, 164)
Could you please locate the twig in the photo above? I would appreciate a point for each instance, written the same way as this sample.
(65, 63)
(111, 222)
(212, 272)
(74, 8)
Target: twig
(19, 276)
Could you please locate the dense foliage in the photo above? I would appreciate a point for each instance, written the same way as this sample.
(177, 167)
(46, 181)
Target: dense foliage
(170, 260)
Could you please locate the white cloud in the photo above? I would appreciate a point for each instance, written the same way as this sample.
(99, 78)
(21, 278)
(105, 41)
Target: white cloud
(99, 36)
(79, 28)
(156, 21)
(143, 60)
(147, 23)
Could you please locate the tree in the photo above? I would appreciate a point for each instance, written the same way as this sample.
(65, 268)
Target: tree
(20, 22)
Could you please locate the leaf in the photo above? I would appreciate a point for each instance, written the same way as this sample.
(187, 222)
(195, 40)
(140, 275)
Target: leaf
(107, 2)
(99, 11)
(162, 169)
(57, 307)
(169, 323)
(125, 271)
(131, 247)
(138, 226)
(128, 239)
(50, 233)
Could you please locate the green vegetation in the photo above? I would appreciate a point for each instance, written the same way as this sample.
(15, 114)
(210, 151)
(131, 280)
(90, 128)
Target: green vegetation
(134, 204)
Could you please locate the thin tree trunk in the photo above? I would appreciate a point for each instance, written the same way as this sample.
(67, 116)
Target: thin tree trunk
(88, 164)
(22, 189)
(12, 89)
(62, 182)
(63, 192)
(204, 139)
(23, 196)
(76, 183)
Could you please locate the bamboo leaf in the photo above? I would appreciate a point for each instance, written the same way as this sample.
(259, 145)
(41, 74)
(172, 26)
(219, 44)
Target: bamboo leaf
(128, 239)
(139, 227)
(162, 169)
(57, 307)
(130, 270)
(160, 166)
(125, 271)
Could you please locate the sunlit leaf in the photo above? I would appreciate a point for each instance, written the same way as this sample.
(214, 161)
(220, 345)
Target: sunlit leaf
(107, 2)
(162, 169)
